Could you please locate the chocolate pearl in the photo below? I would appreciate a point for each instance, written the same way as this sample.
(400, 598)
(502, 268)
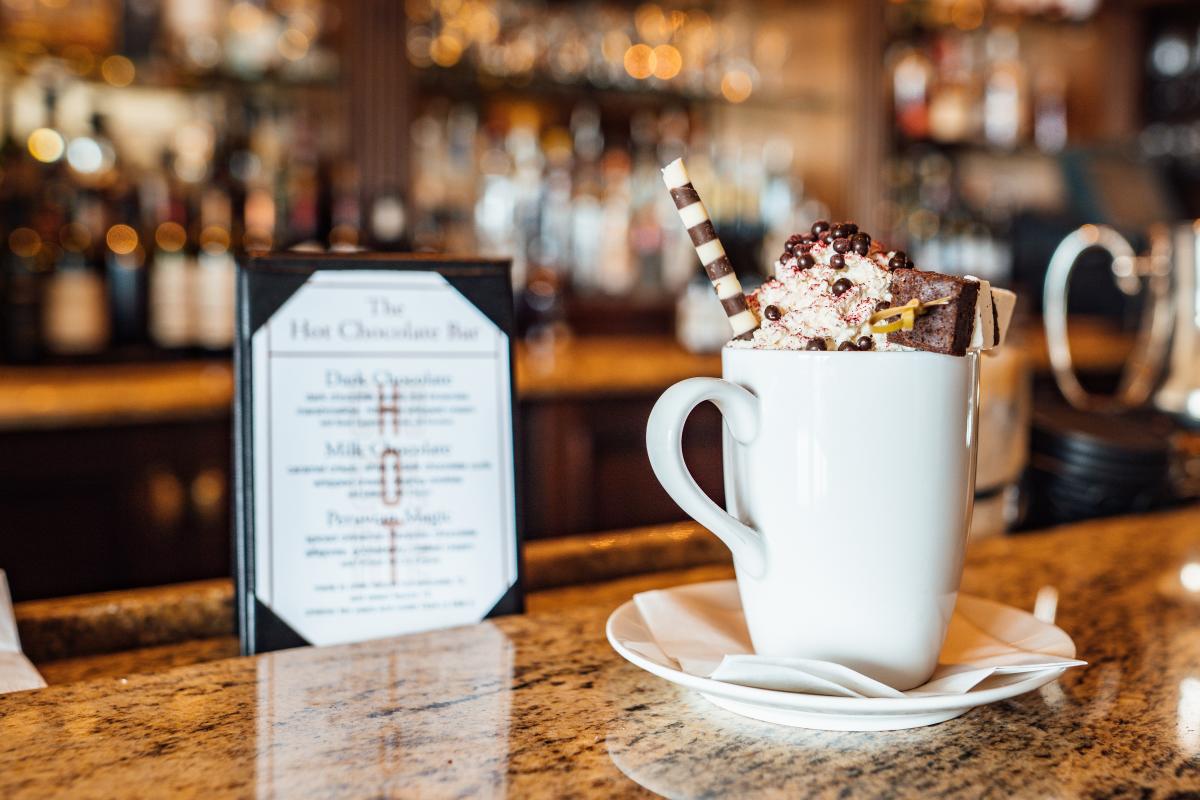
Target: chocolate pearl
(851, 228)
(841, 286)
(910, 264)
(866, 343)
(793, 242)
(820, 226)
(825, 238)
(841, 245)
(805, 261)
(816, 344)
(898, 260)
(861, 243)
(837, 261)
(847, 345)
(840, 230)
(772, 313)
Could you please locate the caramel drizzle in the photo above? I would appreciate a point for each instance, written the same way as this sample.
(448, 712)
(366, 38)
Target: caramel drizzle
(907, 314)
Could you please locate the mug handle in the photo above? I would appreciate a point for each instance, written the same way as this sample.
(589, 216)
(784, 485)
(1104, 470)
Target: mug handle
(1145, 363)
(664, 435)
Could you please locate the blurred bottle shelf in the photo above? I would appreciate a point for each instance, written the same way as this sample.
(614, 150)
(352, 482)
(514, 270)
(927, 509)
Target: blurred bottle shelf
(50, 397)
(469, 85)
(202, 84)
(530, 131)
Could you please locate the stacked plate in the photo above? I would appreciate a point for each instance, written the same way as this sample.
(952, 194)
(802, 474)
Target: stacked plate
(1085, 465)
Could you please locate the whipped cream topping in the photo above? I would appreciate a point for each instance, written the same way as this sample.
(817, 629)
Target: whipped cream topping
(810, 309)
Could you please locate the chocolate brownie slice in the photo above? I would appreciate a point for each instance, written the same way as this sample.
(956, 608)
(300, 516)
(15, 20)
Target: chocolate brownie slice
(941, 329)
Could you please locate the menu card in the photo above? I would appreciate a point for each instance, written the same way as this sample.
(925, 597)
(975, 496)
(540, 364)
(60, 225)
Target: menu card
(374, 446)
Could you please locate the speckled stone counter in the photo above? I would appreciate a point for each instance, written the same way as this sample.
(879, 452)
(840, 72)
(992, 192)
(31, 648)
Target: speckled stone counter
(107, 622)
(539, 706)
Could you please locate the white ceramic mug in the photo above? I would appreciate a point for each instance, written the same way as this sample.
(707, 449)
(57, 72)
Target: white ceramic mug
(849, 479)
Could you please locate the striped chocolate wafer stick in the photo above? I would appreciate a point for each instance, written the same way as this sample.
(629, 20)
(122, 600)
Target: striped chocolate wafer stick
(708, 247)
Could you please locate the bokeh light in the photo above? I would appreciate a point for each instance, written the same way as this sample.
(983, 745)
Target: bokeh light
(117, 71)
(667, 62)
(292, 44)
(25, 242)
(614, 45)
(85, 156)
(170, 237)
(121, 239)
(46, 145)
(445, 50)
(736, 85)
(639, 61)
(214, 239)
(246, 18)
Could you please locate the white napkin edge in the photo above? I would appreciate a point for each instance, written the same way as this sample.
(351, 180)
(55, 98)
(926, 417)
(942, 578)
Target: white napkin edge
(804, 676)
(782, 674)
(962, 678)
(681, 648)
(10, 642)
(17, 672)
(992, 649)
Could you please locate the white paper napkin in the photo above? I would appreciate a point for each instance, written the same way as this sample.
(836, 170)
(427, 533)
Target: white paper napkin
(16, 671)
(705, 633)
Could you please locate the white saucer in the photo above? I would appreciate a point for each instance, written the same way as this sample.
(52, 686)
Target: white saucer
(625, 627)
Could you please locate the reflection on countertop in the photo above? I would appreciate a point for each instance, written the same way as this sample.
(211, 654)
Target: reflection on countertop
(540, 706)
(50, 397)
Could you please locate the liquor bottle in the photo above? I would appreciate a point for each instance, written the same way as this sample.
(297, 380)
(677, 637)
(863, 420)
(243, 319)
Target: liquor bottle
(388, 221)
(618, 272)
(303, 189)
(912, 74)
(1050, 112)
(345, 232)
(192, 30)
(19, 311)
(173, 268)
(75, 316)
(22, 296)
(139, 29)
(1004, 91)
(213, 298)
(587, 213)
(496, 230)
(124, 253)
(645, 232)
(69, 320)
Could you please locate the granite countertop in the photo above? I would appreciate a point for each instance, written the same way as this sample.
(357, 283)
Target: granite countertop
(540, 706)
(60, 633)
(108, 394)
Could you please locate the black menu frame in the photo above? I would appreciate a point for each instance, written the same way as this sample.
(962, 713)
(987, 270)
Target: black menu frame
(264, 284)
